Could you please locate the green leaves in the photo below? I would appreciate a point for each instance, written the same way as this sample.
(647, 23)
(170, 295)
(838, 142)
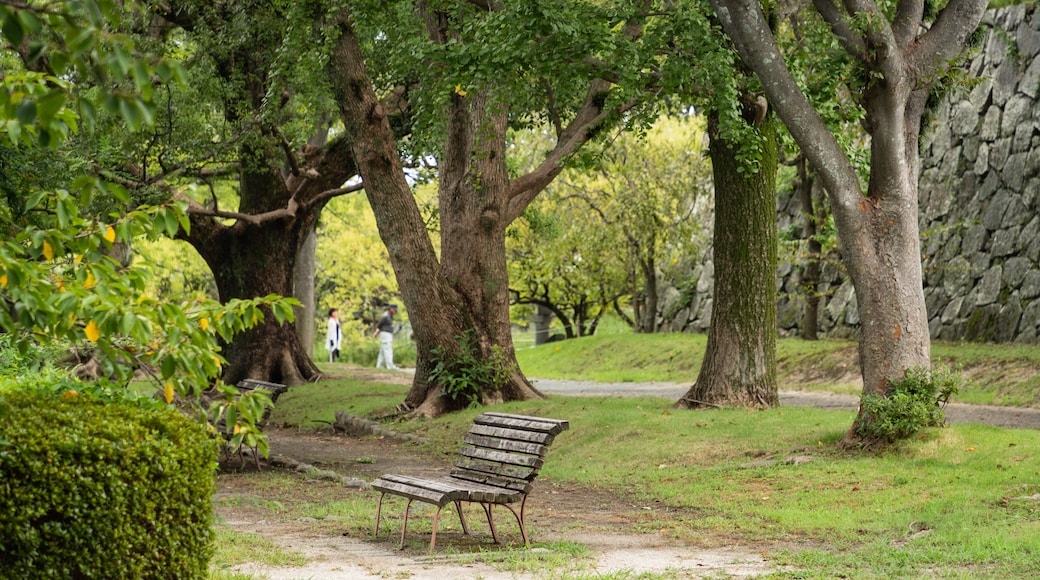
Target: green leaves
(74, 40)
(63, 287)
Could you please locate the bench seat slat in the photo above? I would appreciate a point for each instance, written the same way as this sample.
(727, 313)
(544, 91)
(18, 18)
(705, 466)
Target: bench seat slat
(419, 492)
(445, 490)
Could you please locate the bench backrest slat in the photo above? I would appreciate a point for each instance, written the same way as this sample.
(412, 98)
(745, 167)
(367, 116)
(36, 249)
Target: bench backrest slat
(490, 455)
(506, 450)
(521, 485)
(498, 469)
(523, 422)
(513, 434)
(506, 444)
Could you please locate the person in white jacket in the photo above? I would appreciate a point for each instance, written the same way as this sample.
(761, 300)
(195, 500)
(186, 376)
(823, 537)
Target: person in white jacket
(333, 336)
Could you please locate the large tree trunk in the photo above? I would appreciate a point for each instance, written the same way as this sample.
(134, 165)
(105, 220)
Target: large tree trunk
(465, 300)
(270, 351)
(739, 367)
(885, 264)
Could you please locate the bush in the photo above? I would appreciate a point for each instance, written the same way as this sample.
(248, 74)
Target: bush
(102, 489)
(912, 403)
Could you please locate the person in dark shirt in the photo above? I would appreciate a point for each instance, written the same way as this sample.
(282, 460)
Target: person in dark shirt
(385, 333)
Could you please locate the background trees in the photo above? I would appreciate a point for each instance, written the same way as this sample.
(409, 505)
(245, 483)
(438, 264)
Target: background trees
(603, 235)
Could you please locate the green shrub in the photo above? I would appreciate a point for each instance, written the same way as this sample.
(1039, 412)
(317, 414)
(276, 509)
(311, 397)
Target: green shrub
(464, 374)
(97, 488)
(912, 403)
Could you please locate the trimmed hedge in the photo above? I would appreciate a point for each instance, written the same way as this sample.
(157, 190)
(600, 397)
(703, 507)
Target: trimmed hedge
(94, 489)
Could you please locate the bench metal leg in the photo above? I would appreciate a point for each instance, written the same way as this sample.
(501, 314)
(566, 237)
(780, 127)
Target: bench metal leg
(520, 520)
(433, 536)
(404, 527)
(491, 521)
(458, 508)
(379, 510)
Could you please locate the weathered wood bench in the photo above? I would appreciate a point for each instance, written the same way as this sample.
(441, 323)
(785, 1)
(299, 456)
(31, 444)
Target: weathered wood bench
(501, 458)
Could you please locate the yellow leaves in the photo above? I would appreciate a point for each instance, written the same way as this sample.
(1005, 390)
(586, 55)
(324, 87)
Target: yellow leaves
(3, 280)
(216, 359)
(110, 234)
(48, 251)
(90, 282)
(92, 331)
(460, 91)
(238, 429)
(168, 392)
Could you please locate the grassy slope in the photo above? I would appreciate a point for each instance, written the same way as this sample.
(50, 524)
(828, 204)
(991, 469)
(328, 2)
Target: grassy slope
(997, 374)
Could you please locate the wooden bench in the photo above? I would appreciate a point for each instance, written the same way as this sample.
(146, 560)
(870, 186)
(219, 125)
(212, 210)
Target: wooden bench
(501, 458)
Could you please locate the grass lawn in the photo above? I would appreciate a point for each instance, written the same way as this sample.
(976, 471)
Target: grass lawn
(958, 502)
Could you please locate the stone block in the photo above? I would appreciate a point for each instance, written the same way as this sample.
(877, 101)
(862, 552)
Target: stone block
(1007, 320)
(1016, 111)
(1003, 242)
(989, 286)
(989, 129)
(1030, 284)
(957, 278)
(993, 216)
(1015, 269)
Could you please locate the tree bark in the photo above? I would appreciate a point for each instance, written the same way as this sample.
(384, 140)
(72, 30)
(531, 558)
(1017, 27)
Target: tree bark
(250, 259)
(739, 368)
(303, 290)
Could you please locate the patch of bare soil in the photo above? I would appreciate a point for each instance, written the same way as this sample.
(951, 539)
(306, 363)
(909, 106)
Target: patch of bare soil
(612, 527)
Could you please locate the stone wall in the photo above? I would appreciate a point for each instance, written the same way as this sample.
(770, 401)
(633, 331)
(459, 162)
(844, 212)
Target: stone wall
(979, 201)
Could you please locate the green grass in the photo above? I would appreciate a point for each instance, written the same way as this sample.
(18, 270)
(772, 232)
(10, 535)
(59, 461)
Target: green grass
(315, 404)
(776, 479)
(997, 374)
(958, 502)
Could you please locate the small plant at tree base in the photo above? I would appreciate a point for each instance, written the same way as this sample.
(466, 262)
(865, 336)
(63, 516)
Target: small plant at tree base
(463, 374)
(912, 403)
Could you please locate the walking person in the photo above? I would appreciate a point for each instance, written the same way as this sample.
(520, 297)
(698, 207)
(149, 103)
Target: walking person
(333, 335)
(385, 332)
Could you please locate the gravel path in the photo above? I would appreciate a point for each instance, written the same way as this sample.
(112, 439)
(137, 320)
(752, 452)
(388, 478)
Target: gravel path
(1013, 417)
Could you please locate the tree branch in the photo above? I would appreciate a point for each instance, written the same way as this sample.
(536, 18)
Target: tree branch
(849, 40)
(946, 38)
(907, 20)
